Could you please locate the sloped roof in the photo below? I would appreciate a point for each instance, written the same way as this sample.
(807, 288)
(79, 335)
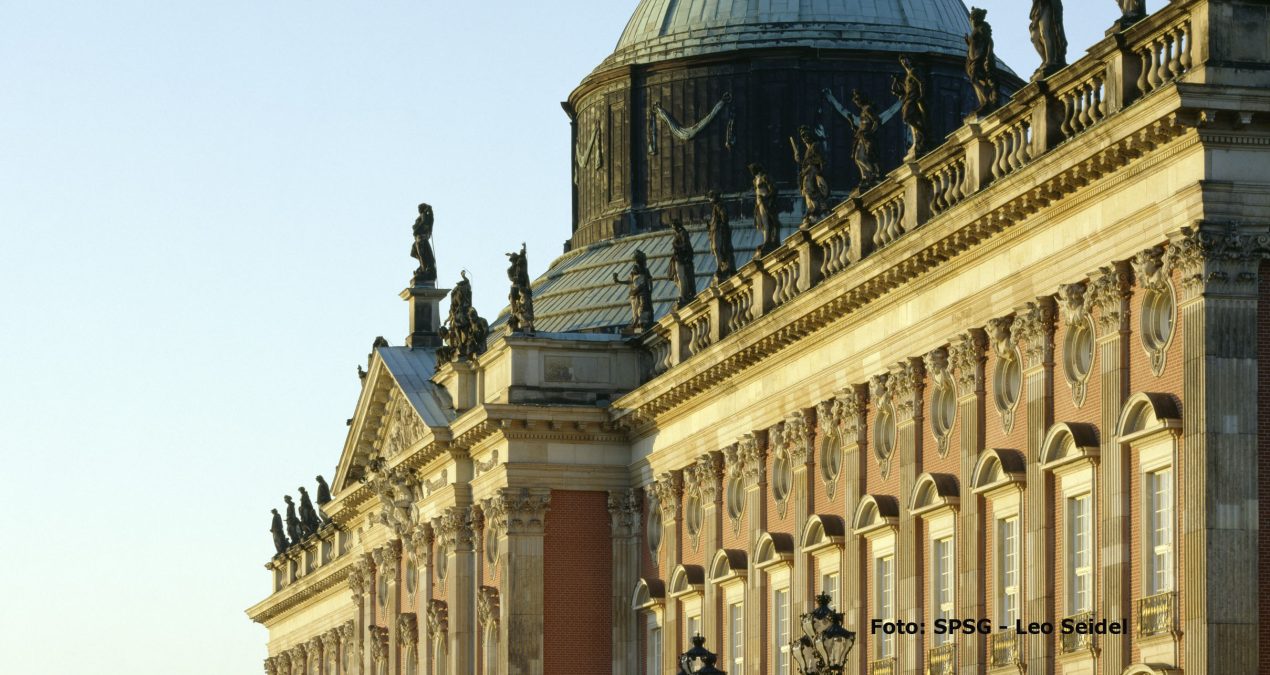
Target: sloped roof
(412, 369)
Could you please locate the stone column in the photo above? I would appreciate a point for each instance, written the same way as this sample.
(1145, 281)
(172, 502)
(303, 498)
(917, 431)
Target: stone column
(1034, 328)
(388, 565)
(407, 636)
(1219, 268)
(703, 479)
(905, 387)
(669, 490)
(454, 531)
(752, 455)
(850, 410)
(966, 358)
(1109, 292)
(519, 515)
(360, 578)
(420, 548)
(795, 438)
(624, 512)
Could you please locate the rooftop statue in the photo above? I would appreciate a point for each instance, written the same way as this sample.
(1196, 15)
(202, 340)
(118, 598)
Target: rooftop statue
(421, 250)
(721, 239)
(323, 497)
(280, 542)
(308, 515)
(1048, 36)
(521, 297)
(295, 530)
(912, 95)
(864, 149)
(1132, 11)
(682, 267)
(464, 331)
(811, 175)
(981, 62)
(639, 287)
(765, 219)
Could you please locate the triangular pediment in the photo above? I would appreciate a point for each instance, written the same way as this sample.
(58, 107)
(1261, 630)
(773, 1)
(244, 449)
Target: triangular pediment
(399, 410)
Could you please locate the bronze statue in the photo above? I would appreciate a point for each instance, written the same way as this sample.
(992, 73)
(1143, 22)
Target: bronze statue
(912, 95)
(280, 542)
(682, 267)
(521, 297)
(721, 239)
(295, 530)
(1048, 36)
(324, 491)
(639, 286)
(309, 520)
(1132, 11)
(421, 250)
(811, 175)
(981, 62)
(765, 219)
(864, 150)
(464, 331)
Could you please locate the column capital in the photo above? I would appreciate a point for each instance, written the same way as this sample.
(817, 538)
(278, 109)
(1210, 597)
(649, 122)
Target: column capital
(904, 387)
(487, 608)
(454, 529)
(1109, 291)
(967, 356)
(668, 488)
(438, 618)
(360, 574)
(793, 436)
(1217, 258)
(751, 452)
(625, 508)
(408, 629)
(1034, 327)
(518, 510)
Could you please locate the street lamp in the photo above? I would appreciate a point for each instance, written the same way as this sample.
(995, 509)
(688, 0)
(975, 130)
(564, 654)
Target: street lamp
(825, 644)
(698, 660)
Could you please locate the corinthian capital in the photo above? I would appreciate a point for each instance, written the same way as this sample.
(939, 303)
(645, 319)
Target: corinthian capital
(1109, 291)
(408, 629)
(905, 388)
(751, 449)
(1035, 329)
(795, 437)
(625, 507)
(1217, 256)
(519, 510)
(967, 356)
(668, 488)
(454, 528)
(388, 559)
(704, 476)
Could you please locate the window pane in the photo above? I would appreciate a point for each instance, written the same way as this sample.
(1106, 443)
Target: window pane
(885, 604)
(1008, 569)
(737, 618)
(780, 650)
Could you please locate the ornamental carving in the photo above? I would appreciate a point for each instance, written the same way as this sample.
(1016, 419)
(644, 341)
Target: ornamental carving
(420, 543)
(331, 642)
(1149, 269)
(438, 618)
(1216, 255)
(668, 489)
(1109, 291)
(408, 630)
(487, 606)
(359, 579)
(271, 665)
(397, 492)
(402, 428)
(967, 356)
(283, 663)
(1035, 329)
(885, 423)
(943, 398)
(519, 510)
(378, 644)
(703, 477)
(299, 659)
(434, 484)
(481, 467)
(388, 560)
(315, 650)
(795, 437)
(936, 362)
(454, 530)
(905, 388)
(1000, 335)
(625, 508)
(751, 449)
(1071, 300)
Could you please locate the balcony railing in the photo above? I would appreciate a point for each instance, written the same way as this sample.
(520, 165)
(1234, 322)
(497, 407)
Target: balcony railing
(882, 666)
(1003, 649)
(942, 660)
(1156, 614)
(1070, 643)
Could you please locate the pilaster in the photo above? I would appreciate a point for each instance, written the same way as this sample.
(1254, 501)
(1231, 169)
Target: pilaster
(704, 479)
(519, 516)
(850, 411)
(388, 565)
(752, 454)
(794, 436)
(669, 490)
(455, 533)
(905, 387)
(625, 507)
(966, 359)
(1218, 266)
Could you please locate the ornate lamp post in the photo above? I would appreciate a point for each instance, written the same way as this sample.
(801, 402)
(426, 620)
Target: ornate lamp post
(698, 660)
(825, 644)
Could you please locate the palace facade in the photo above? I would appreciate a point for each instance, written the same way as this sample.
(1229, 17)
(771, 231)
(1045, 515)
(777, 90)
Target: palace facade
(1021, 380)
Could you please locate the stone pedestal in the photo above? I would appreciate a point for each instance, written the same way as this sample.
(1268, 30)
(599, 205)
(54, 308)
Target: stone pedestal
(425, 316)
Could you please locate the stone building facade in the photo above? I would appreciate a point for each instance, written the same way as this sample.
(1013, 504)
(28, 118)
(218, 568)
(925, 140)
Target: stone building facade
(1019, 381)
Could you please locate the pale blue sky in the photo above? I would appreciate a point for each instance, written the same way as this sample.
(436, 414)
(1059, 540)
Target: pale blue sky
(205, 210)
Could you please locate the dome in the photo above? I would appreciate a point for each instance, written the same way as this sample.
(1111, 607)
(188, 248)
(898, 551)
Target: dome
(666, 29)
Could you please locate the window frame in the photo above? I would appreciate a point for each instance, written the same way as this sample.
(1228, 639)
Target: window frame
(883, 549)
(942, 529)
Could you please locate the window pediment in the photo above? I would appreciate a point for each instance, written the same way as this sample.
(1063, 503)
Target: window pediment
(875, 513)
(934, 491)
(774, 549)
(1069, 442)
(1148, 413)
(823, 531)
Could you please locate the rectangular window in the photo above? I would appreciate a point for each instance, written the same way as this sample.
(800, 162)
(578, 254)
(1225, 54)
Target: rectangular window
(829, 586)
(736, 620)
(1008, 570)
(694, 629)
(884, 602)
(1079, 555)
(1160, 515)
(780, 632)
(942, 583)
(653, 666)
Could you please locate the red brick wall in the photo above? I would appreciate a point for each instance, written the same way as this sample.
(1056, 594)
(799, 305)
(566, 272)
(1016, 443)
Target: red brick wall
(577, 584)
(1263, 464)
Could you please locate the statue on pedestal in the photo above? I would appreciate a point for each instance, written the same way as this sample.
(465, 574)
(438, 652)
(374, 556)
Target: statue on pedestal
(864, 150)
(639, 286)
(1132, 11)
(981, 62)
(280, 542)
(421, 250)
(811, 175)
(295, 531)
(721, 239)
(309, 520)
(1048, 36)
(765, 219)
(682, 267)
(464, 332)
(521, 297)
(912, 95)
(324, 491)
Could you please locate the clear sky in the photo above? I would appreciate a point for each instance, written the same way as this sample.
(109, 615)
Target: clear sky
(206, 210)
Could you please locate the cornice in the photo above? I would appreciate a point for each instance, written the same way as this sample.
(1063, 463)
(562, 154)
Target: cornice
(334, 575)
